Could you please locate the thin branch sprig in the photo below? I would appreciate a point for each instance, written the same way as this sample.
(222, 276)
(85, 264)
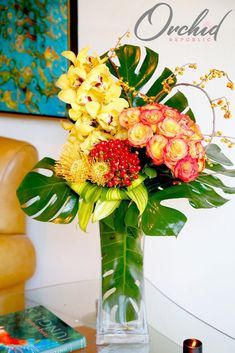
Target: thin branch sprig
(112, 51)
(111, 55)
(215, 73)
(120, 81)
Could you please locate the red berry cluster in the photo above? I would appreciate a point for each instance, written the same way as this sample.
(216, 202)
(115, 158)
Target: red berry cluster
(124, 165)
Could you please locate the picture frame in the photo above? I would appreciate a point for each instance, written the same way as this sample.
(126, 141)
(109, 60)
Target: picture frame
(33, 34)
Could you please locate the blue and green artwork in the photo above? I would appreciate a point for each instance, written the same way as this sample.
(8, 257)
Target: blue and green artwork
(33, 34)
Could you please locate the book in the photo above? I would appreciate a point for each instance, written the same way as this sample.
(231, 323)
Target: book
(35, 330)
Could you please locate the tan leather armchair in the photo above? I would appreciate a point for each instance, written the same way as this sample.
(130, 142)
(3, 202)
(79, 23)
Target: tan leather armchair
(17, 255)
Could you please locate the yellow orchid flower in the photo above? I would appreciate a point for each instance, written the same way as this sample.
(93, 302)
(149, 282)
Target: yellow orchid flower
(84, 128)
(77, 74)
(114, 92)
(69, 55)
(93, 108)
(80, 59)
(95, 137)
(69, 83)
(75, 114)
(121, 134)
(83, 59)
(63, 82)
(67, 95)
(108, 118)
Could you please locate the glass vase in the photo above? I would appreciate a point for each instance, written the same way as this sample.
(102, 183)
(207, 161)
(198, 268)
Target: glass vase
(121, 311)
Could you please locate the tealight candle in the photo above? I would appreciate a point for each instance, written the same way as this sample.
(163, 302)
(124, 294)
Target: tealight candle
(192, 346)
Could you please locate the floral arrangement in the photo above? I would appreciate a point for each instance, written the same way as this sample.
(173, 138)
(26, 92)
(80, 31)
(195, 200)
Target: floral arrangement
(126, 152)
(126, 145)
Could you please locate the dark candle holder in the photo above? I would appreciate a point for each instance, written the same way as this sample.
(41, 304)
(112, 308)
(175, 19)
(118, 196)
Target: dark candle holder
(192, 345)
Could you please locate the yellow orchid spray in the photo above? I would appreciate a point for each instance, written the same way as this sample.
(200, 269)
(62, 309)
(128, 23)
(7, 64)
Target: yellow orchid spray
(94, 97)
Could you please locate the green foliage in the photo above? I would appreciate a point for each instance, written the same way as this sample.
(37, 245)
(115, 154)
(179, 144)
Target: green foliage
(122, 264)
(140, 196)
(159, 220)
(178, 101)
(214, 153)
(84, 213)
(129, 57)
(104, 209)
(47, 198)
(219, 169)
(199, 194)
(214, 181)
(150, 172)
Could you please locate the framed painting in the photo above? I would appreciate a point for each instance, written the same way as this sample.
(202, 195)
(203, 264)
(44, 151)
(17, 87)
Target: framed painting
(33, 34)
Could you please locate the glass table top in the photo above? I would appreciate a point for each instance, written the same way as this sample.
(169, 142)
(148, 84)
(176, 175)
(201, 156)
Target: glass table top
(169, 323)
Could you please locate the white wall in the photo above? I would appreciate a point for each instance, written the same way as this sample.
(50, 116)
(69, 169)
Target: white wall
(197, 269)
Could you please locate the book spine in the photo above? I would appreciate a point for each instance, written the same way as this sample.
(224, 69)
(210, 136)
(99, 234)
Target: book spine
(68, 347)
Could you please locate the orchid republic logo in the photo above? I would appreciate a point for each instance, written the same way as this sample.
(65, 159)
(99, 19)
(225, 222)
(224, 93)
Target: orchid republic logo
(201, 30)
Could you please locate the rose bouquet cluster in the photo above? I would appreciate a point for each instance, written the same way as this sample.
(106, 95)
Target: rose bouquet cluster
(170, 138)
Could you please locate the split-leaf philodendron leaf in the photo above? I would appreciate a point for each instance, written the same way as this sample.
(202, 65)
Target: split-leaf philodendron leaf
(47, 198)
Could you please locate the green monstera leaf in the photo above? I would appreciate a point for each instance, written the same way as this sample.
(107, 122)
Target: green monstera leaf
(47, 198)
(160, 220)
(137, 76)
(122, 265)
(165, 221)
(200, 193)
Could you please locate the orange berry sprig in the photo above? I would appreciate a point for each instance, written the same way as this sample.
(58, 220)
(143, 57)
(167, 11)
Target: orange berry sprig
(224, 105)
(214, 73)
(167, 83)
(112, 54)
(228, 140)
(179, 71)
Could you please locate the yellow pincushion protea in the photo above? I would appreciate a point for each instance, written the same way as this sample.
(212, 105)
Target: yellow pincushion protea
(98, 171)
(77, 167)
(73, 165)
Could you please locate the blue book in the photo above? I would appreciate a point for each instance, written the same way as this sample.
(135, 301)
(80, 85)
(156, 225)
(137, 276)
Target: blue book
(35, 330)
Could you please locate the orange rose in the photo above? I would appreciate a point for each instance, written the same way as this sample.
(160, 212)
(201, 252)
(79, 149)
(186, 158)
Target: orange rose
(185, 121)
(172, 113)
(129, 117)
(151, 114)
(139, 134)
(151, 106)
(201, 164)
(196, 150)
(155, 148)
(190, 128)
(185, 124)
(197, 135)
(169, 127)
(176, 149)
(186, 169)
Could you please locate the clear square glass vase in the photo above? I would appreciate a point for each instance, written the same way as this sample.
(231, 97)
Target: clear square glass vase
(121, 311)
